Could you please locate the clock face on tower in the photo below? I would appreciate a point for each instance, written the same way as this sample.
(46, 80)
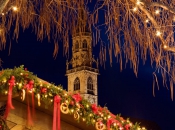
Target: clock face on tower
(91, 99)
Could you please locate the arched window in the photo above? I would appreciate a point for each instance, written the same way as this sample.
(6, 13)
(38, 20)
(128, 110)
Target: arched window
(76, 46)
(90, 89)
(77, 84)
(84, 44)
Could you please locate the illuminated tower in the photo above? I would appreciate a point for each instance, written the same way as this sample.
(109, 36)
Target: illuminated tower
(82, 77)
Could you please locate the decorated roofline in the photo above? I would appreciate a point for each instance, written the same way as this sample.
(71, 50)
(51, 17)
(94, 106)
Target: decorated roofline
(20, 81)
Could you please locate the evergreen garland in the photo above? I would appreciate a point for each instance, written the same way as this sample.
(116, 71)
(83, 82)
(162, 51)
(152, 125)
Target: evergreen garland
(82, 109)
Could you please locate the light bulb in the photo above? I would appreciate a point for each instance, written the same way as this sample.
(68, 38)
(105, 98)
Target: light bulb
(158, 33)
(14, 8)
(165, 46)
(157, 11)
(135, 9)
(20, 84)
(146, 20)
(138, 2)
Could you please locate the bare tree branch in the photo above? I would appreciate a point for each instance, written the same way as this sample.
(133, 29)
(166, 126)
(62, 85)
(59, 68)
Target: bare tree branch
(134, 28)
(3, 4)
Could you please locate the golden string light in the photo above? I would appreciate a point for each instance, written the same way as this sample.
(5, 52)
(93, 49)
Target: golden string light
(157, 11)
(14, 8)
(135, 9)
(165, 46)
(147, 20)
(138, 2)
(158, 33)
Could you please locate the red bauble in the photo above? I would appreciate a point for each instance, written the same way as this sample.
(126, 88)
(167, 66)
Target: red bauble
(72, 103)
(43, 90)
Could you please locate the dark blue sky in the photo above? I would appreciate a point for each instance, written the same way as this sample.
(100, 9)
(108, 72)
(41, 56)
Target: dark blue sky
(121, 92)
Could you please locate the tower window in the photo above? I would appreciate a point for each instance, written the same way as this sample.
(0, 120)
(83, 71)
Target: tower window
(76, 46)
(90, 89)
(77, 84)
(84, 44)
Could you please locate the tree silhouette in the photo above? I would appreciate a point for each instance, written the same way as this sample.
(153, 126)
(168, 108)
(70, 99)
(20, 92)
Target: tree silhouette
(135, 28)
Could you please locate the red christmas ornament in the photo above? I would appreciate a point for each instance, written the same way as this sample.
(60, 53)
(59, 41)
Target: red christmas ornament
(127, 127)
(100, 109)
(72, 103)
(94, 108)
(77, 97)
(43, 90)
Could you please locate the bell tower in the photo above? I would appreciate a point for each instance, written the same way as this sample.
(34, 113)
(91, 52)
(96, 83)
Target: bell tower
(81, 75)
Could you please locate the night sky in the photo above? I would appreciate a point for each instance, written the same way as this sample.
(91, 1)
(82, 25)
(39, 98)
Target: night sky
(122, 92)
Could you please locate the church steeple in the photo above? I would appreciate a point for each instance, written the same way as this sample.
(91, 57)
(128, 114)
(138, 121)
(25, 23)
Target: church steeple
(82, 77)
(82, 50)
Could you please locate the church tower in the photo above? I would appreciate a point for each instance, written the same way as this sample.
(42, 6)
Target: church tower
(82, 69)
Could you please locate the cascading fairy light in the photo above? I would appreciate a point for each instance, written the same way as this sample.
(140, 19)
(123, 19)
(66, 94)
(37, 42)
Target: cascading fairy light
(157, 12)
(14, 8)
(147, 20)
(158, 33)
(135, 9)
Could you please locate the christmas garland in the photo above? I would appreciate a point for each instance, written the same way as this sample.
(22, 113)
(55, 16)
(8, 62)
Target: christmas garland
(22, 82)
